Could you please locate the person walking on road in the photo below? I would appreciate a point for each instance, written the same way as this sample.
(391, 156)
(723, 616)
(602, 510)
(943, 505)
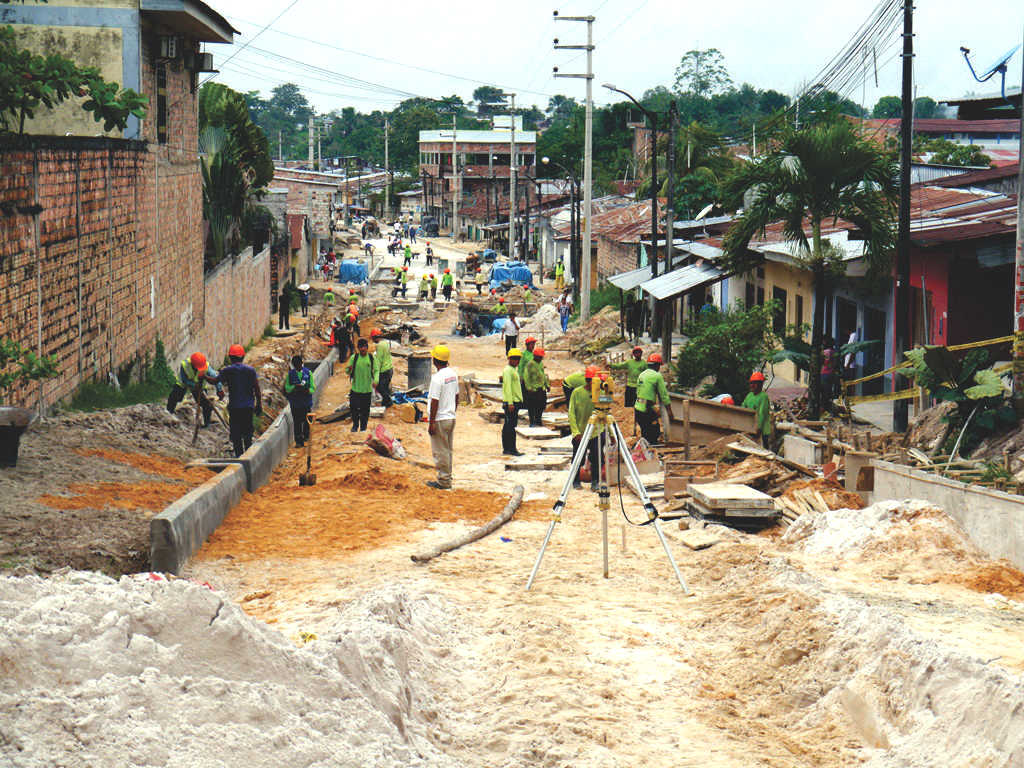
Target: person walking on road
(536, 386)
(424, 287)
(412, 233)
(385, 367)
(510, 331)
(362, 370)
(191, 376)
(651, 396)
(304, 299)
(511, 401)
(299, 387)
(559, 276)
(633, 368)
(757, 400)
(480, 281)
(564, 307)
(405, 280)
(430, 255)
(447, 281)
(284, 308)
(529, 342)
(433, 287)
(245, 400)
(444, 401)
(581, 408)
(407, 255)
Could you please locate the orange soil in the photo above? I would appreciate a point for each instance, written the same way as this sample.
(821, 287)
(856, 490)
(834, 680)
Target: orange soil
(994, 577)
(145, 495)
(832, 492)
(360, 502)
(152, 464)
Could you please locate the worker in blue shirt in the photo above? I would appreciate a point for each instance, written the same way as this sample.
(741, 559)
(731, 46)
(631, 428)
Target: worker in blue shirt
(245, 399)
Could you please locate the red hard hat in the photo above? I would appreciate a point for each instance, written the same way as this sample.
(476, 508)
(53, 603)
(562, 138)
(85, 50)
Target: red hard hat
(501, 300)
(375, 332)
(405, 269)
(757, 376)
(538, 352)
(447, 271)
(654, 357)
(590, 372)
(530, 340)
(198, 361)
(638, 349)
(236, 350)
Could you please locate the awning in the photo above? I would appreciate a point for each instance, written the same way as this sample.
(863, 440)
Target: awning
(627, 281)
(682, 280)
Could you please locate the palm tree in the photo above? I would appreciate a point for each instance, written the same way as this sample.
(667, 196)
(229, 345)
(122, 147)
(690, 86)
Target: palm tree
(823, 172)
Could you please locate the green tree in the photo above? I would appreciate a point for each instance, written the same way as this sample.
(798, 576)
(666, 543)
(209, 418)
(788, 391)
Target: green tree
(887, 108)
(945, 152)
(823, 172)
(288, 99)
(221, 107)
(925, 107)
(560, 107)
(702, 73)
(485, 96)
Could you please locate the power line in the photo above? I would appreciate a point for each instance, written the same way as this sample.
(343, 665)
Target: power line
(249, 69)
(354, 82)
(253, 39)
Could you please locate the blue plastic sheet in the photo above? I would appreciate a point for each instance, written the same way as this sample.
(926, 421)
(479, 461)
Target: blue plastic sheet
(351, 272)
(515, 271)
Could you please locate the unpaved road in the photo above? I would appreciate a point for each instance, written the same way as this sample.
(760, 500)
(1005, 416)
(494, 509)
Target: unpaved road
(777, 658)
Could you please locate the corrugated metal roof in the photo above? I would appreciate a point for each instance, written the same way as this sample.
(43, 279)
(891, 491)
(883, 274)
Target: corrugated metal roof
(708, 222)
(681, 280)
(479, 137)
(627, 281)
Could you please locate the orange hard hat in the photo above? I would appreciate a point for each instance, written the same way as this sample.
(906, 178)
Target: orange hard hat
(654, 357)
(530, 340)
(501, 299)
(727, 400)
(590, 372)
(538, 352)
(375, 332)
(198, 361)
(405, 269)
(757, 376)
(236, 350)
(638, 349)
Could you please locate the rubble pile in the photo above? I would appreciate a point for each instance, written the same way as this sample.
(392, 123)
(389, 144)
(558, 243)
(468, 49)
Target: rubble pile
(588, 340)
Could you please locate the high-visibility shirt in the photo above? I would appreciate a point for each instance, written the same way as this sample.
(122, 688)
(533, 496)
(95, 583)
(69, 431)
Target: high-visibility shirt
(762, 408)
(581, 408)
(300, 386)
(408, 251)
(480, 279)
(527, 357)
(405, 277)
(650, 386)
(382, 356)
(559, 269)
(511, 385)
(534, 376)
(446, 278)
(633, 369)
(498, 309)
(574, 380)
(189, 377)
(433, 283)
(424, 285)
(328, 298)
(364, 373)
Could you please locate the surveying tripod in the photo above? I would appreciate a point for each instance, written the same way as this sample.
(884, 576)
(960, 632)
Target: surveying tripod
(602, 397)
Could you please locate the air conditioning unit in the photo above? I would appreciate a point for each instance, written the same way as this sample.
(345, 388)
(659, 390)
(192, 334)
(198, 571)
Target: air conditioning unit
(169, 47)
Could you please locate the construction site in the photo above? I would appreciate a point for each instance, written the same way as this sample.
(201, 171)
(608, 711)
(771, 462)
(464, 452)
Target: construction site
(323, 617)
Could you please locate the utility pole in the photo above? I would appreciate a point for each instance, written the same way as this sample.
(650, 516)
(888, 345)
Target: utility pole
(902, 323)
(1018, 284)
(280, 148)
(670, 233)
(319, 154)
(584, 274)
(456, 180)
(512, 206)
(387, 175)
(753, 151)
(310, 132)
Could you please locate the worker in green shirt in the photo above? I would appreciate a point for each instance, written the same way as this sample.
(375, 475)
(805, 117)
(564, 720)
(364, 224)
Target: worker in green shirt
(570, 382)
(404, 281)
(424, 287)
(559, 276)
(499, 308)
(633, 368)
(535, 386)
(385, 368)
(527, 295)
(581, 408)
(362, 370)
(480, 280)
(433, 286)
(757, 400)
(447, 281)
(529, 342)
(511, 401)
(328, 298)
(651, 394)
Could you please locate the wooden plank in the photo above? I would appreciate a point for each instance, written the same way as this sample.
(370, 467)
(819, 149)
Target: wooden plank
(520, 463)
(721, 495)
(538, 433)
(766, 454)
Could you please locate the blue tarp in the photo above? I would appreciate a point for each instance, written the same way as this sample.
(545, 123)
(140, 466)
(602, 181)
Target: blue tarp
(498, 325)
(515, 271)
(351, 272)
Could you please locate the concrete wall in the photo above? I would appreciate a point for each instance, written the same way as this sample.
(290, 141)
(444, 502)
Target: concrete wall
(994, 520)
(237, 303)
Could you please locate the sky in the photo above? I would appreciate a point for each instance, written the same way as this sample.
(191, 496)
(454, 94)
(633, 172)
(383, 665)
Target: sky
(439, 49)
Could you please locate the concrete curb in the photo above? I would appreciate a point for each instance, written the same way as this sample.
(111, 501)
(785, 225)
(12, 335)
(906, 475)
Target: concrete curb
(180, 529)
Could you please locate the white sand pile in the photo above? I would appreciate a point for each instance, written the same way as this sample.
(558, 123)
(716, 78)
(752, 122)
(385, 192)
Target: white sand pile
(544, 319)
(884, 527)
(95, 672)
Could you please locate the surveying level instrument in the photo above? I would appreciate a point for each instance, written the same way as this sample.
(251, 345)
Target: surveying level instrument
(601, 393)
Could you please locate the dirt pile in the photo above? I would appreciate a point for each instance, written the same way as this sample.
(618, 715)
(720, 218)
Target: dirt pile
(587, 340)
(833, 494)
(545, 320)
(141, 672)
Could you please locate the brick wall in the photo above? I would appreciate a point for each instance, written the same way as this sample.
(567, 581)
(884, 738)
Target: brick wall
(237, 304)
(613, 257)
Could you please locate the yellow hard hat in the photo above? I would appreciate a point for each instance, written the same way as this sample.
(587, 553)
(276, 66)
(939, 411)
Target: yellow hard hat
(514, 352)
(441, 352)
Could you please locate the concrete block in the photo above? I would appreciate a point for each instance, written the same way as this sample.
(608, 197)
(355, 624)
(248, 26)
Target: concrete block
(802, 450)
(267, 451)
(179, 531)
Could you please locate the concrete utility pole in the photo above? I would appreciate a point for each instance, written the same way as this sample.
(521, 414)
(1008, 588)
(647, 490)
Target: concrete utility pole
(387, 175)
(310, 132)
(511, 172)
(456, 180)
(1018, 284)
(280, 148)
(902, 321)
(584, 275)
(319, 154)
(670, 217)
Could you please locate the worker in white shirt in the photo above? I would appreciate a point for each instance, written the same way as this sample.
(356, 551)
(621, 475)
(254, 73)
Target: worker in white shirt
(443, 396)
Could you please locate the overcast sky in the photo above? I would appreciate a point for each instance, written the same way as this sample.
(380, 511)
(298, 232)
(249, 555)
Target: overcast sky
(639, 42)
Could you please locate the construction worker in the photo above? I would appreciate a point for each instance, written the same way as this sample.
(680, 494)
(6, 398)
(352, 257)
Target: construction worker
(433, 287)
(328, 298)
(351, 328)
(535, 387)
(633, 368)
(570, 382)
(447, 282)
(192, 374)
(529, 342)
(480, 281)
(299, 387)
(407, 255)
(651, 395)
(510, 331)
(430, 255)
(559, 276)
(385, 368)
(397, 274)
(244, 398)
(362, 370)
(499, 308)
(581, 408)
(443, 396)
(757, 399)
(527, 296)
(404, 280)
(424, 286)
(512, 401)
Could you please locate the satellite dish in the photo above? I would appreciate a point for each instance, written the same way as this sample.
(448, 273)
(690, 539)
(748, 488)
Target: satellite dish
(999, 66)
(704, 211)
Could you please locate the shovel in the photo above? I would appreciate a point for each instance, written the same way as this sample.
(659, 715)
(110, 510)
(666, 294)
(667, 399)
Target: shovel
(307, 477)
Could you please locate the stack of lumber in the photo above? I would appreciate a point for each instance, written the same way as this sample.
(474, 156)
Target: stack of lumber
(737, 505)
